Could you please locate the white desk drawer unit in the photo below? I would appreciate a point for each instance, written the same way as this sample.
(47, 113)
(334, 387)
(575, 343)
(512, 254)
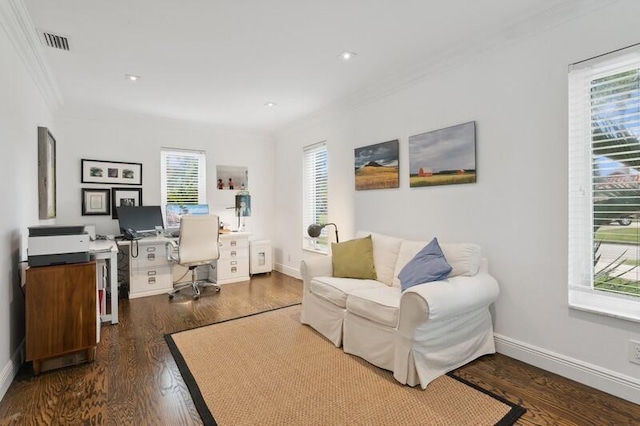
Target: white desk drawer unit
(149, 271)
(233, 264)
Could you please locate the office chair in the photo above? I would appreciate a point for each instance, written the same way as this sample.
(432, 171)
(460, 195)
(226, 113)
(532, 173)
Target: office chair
(197, 245)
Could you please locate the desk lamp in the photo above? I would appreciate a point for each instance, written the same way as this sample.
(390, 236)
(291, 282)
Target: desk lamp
(314, 230)
(243, 207)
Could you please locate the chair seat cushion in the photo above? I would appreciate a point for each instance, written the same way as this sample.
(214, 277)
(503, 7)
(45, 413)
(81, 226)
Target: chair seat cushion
(379, 304)
(335, 290)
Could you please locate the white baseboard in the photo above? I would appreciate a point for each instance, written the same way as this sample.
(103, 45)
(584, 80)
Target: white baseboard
(11, 369)
(620, 385)
(287, 270)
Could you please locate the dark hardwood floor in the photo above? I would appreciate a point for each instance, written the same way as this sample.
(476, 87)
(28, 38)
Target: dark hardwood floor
(134, 379)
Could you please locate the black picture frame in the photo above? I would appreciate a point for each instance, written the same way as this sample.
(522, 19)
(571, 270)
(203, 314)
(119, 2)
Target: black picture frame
(110, 172)
(96, 202)
(124, 197)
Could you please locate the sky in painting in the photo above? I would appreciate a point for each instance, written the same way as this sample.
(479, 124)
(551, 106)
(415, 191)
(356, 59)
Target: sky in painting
(385, 154)
(452, 148)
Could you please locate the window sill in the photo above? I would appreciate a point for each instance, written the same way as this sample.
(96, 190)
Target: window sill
(316, 251)
(604, 304)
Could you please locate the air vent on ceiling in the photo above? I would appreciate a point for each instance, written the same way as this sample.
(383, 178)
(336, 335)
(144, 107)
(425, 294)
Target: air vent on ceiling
(54, 40)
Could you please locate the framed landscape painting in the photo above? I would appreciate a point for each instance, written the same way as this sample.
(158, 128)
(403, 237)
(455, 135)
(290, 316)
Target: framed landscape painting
(377, 167)
(443, 157)
(46, 174)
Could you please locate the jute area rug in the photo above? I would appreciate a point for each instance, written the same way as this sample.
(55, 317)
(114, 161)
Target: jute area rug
(268, 369)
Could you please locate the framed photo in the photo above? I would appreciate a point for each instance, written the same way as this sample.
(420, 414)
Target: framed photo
(377, 167)
(96, 202)
(235, 178)
(111, 172)
(46, 174)
(443, 157)
(124, 197)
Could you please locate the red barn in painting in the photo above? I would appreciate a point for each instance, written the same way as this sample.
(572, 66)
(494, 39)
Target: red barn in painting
(422, 173)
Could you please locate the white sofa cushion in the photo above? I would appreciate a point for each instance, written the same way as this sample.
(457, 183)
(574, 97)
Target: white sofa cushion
(379, 305)
(335, 290)
(464, 258)
(385, 254)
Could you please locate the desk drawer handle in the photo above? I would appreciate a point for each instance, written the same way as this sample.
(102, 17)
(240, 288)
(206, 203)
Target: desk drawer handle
(233, 243)
(150, 249)
(234, 269)
(152, 280)
(233, 253)
(152, 273)
(234, 262)
(151, 256)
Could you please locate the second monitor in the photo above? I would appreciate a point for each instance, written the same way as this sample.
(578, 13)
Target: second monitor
(176, 211)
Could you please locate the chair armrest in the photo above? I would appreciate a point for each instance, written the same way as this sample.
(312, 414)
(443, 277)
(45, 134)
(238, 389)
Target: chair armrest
(315, 267)
(172, 249)
(444, 299)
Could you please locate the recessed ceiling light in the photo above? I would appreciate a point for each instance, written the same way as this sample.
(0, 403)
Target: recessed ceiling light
(270, 104)
(131, 77)
(347, 55)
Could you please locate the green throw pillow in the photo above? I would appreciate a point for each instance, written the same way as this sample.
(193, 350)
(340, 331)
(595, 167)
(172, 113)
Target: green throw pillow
(354, 259)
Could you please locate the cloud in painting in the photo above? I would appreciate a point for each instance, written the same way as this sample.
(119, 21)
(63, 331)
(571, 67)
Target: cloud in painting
(452, 148)
(385, 154)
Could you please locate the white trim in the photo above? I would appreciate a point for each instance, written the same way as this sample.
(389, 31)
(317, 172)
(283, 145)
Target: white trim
(287, 270)
(11, 369)
(614, 383)
(17, 24)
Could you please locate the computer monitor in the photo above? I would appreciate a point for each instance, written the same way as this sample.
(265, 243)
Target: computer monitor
(176, 211)
(140, 218)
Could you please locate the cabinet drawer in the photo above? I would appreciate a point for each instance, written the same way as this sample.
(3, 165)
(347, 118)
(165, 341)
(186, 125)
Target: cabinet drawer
(232, 268)
(149, 256)
(233, 243)
(235, 253)
(148, 280)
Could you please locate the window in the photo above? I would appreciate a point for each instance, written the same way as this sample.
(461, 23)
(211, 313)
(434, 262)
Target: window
(315, 196)
(183, 177)
(604, 184)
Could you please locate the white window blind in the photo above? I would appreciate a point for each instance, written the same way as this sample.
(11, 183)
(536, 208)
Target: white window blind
(604, 184)
(315, 195)
(183, 177)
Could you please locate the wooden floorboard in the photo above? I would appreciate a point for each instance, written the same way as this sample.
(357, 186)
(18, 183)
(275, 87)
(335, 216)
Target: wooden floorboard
(134, 379)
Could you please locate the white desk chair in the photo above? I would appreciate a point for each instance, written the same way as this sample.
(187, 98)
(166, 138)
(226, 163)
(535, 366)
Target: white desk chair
(197, 245)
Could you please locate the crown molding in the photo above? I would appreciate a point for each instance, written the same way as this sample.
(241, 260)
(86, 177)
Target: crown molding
(17, 24)
(435, 63)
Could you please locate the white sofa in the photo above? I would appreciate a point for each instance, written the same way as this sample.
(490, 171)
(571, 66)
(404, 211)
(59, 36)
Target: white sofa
(419, 334)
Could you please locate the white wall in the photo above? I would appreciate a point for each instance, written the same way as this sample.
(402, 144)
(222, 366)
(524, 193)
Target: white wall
(22, 110)
(138, 139)
(517, 211)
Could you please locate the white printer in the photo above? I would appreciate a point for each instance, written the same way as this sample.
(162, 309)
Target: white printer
(57, 245)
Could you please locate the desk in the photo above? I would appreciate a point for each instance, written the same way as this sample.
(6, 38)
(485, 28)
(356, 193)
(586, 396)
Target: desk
(105, 253)
(150, 270)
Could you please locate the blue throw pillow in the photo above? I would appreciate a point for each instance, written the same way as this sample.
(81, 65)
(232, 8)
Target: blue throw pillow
(426, 266)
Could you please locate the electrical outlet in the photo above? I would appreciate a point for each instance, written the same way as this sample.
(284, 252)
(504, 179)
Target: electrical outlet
(634, 351)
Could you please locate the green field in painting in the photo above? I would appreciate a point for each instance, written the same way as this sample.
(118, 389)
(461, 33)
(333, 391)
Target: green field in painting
(416, 181)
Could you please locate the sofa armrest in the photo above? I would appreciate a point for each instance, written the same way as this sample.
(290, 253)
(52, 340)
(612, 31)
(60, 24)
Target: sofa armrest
(444, 299)
(315, 267)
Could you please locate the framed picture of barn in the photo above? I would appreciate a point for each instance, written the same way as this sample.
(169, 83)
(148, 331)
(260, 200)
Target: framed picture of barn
(443, 157)
(376, 166)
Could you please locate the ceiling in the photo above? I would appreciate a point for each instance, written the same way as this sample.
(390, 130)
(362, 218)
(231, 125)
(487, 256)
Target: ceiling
(220, 61)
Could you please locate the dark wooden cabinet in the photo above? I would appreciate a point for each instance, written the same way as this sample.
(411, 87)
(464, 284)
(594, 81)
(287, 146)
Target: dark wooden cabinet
(60, 311)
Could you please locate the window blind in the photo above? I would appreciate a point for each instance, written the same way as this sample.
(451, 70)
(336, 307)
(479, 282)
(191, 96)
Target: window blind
(604, 184)
(183, 177)
(315, 195)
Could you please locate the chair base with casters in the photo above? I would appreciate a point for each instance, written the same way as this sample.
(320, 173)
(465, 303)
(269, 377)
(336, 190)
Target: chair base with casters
(194, 284)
